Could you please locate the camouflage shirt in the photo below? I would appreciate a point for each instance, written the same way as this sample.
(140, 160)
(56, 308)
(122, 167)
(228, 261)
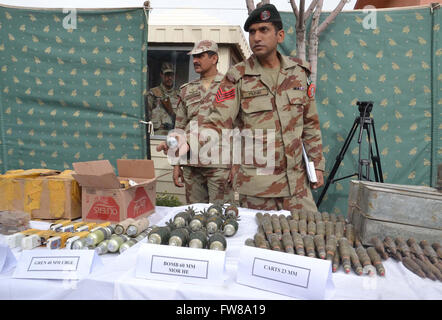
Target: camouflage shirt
(162, 121)
(246, 96)
(194, 105)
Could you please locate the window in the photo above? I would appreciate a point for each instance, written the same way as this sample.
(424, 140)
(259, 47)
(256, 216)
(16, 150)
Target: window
(183, 73)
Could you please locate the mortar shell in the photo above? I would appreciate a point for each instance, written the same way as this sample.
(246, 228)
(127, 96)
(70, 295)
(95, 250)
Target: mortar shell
(344, 253)
(320, 245)
(217, 242)
(357, 267)
(179, 237)
(95, 237)
(214, 224)
(298, 243)
(413, 267)
(295, 215)
(429, 251)
(249, 242)
(309, 246)
(311, 228)
(285, 227)
(293, 225)
(198, 239)
(260, 241)
(159, 235)
(330, 247)
(339, 230)
(350, 234)
(231, 211)
(197, 222)
(127, 245)
(320, 228)
(302, 226)
(287, 242)
(230, 227)
(214, 210)
(336, 261)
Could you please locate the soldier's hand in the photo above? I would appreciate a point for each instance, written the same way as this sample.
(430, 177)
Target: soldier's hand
(320, 178)
(163, 147)
(178, 177)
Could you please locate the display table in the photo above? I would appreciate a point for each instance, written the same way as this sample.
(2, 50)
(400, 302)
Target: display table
(115, 279)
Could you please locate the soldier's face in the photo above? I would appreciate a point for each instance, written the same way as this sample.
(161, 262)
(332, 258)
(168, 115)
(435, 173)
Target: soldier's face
(167, 79)
(203, 62)
(264, 38)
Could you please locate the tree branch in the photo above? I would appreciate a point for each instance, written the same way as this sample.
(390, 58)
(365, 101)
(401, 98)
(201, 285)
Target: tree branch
(310, 9)
(250, 5)
(301, 22)
(295, 9)
(331, 17)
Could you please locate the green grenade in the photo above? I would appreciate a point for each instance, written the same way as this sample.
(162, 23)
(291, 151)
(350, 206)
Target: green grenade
(215, 210)
(214, 224)
(197, 222)
(198, 239)
(230, 227)
(217, 242)
(179, 237)
(182, 219)
(231, 211)
(159, 235)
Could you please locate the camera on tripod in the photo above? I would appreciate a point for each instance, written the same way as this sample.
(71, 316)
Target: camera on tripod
(365, 108)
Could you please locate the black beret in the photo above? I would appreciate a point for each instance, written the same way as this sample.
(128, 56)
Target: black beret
(265, 13)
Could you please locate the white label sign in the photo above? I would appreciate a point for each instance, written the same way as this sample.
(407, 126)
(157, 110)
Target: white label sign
(284, 273)
(161, 262)
(56, 264)
(7, 259)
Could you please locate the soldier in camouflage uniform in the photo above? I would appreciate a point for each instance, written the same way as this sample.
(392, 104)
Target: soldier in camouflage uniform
(272, 91)
(161, 102)
(204, 183)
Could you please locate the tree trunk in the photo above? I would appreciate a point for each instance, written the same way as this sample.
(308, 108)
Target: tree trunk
(314, 42)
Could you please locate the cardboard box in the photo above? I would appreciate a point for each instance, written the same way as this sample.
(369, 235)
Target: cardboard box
(106, 197)
(43, 193)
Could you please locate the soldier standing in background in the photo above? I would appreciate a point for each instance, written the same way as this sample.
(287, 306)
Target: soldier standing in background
(208, 183)
(272, 92)
(162, 102)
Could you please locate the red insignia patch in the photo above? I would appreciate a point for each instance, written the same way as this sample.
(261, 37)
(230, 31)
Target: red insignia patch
(224, 95)
(265, 15)
(311, 90)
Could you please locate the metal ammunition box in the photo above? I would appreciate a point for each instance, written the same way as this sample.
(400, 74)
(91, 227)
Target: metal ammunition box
(380, 210)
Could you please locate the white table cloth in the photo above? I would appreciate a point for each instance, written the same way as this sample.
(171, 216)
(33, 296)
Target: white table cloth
(116, 278)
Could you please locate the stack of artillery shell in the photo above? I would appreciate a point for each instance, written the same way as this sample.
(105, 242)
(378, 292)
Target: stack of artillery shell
(329, 236)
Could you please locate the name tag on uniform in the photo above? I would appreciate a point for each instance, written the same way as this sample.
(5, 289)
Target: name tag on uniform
(299, 88)
(254, 93)
(193, 94)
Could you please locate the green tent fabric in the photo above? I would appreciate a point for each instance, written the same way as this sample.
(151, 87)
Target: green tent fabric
(71, 94)
(397, 66)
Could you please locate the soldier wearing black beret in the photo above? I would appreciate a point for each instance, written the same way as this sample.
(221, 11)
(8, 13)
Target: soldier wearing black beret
(265, 13)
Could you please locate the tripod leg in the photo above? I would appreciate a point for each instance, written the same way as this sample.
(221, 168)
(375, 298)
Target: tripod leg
(338, 161)
(377, 158)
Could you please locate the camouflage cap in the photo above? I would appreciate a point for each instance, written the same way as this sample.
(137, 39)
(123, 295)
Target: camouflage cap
(265, 13)
(167, 67)
(203, 46)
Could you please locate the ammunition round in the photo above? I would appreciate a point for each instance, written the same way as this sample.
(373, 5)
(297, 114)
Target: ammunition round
(230, 227)
(179, 222)
(115, 243)
(127, 245)
(175, 241)
(196, 243)
(79, 244)
(102, 247)
(154, 238)
(132, 230)
(195, 225)
(96, 237)
(231, 211)
(217, 242)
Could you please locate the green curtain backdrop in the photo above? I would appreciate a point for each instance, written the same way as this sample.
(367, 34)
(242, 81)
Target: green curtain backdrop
(397, 66)
(70, 95)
